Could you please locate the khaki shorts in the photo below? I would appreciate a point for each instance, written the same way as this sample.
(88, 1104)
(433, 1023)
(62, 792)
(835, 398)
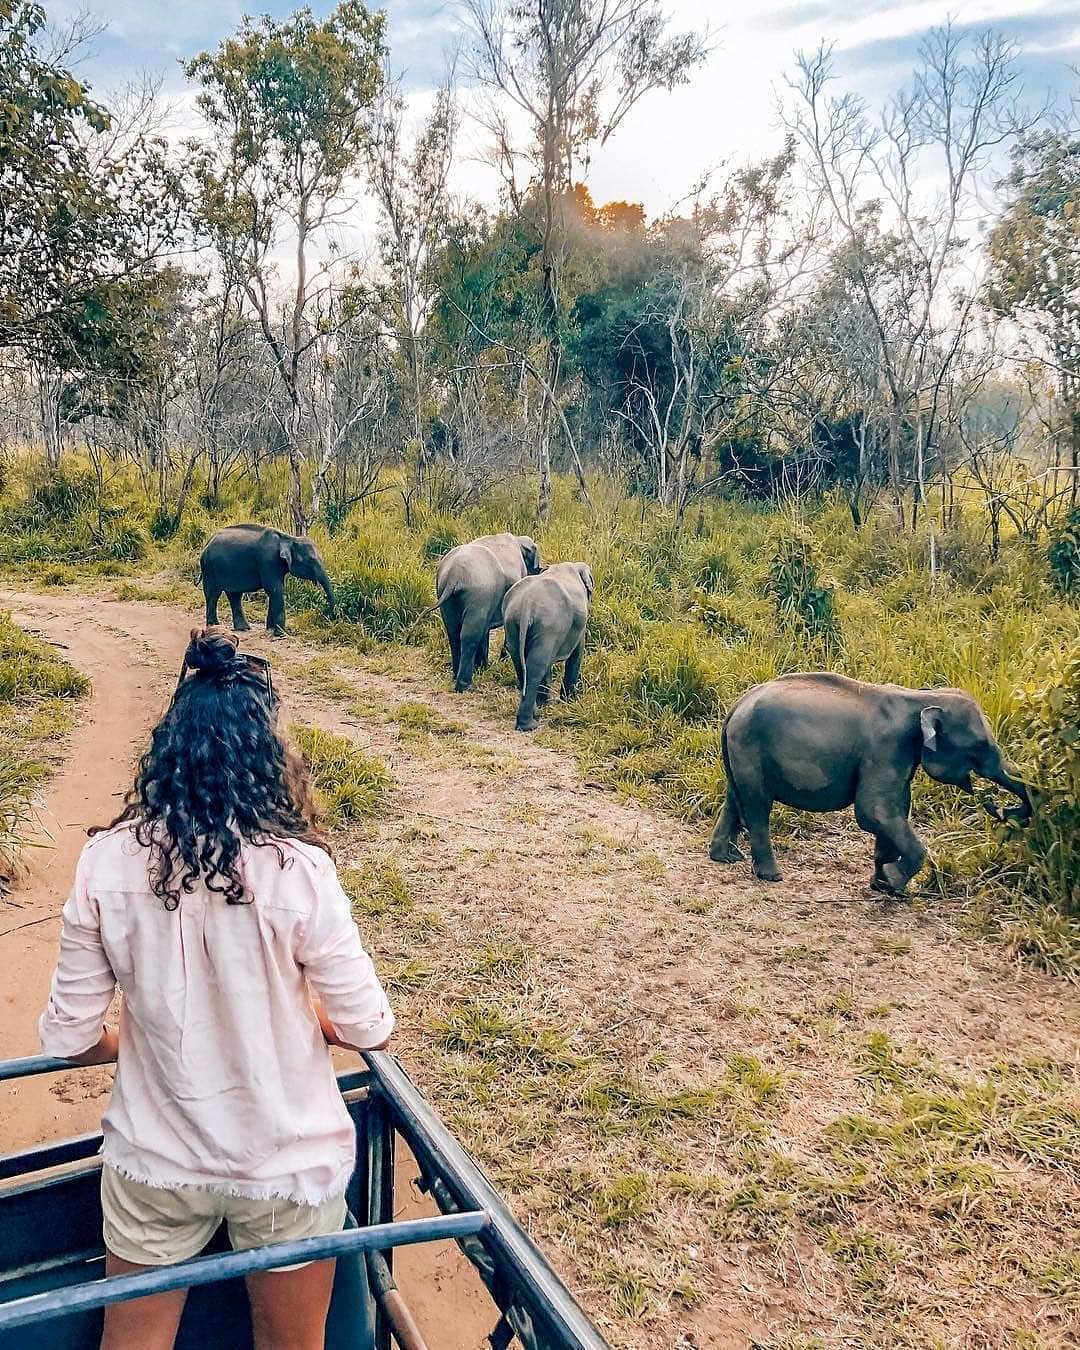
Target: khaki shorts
(149, 1226)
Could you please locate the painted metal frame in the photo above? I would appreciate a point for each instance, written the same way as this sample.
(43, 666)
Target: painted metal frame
(533, 1303)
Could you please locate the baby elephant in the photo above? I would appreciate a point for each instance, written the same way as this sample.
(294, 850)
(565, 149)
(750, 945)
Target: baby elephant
(545, 619)
(822, 742)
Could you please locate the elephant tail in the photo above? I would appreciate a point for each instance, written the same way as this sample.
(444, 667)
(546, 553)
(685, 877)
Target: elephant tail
(732, 785)
(523, 648)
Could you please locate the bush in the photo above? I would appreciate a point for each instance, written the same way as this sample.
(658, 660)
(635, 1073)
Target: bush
(440, 540)
(1047, 722)
(720, 616)
(1064, 555)
(32, 677)
(804, 599)
(715, 569)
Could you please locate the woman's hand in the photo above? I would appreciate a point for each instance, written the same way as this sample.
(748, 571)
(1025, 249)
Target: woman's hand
(103, 1051)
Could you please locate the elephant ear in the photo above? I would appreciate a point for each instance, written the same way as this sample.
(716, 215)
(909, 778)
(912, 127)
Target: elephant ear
(585, 572)
(930, 725)
(530, 554)
(285, 551)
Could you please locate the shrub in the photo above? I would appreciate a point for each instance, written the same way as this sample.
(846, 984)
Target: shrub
(721, 616)
(60, 494)
(32, 678)
(804, 599)
(1047, 720)
(30, 668)
(714, 568)
(614, 622)
(440, 540)
(123, 541)
(1064, 555)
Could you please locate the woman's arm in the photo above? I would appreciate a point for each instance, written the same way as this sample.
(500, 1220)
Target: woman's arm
(331, 1037)
(348, 999)
(103, 1051)
(83, 985)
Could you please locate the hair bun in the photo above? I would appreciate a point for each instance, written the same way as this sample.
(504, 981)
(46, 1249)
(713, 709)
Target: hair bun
(212, 650)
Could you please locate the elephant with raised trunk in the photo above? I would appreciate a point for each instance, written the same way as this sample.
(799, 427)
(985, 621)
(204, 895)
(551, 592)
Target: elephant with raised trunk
(823, 742)
(545, 619)
(245, 558)
(471, 584)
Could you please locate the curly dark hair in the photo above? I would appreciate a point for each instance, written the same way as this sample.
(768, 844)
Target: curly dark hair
(217, 774)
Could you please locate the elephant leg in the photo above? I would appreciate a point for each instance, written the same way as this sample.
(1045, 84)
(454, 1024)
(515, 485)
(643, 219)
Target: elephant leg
(722, 846)
(212, 595)
(483, 651)
(471, 634)
(572, 672)
(543, 694)
(275, 610)
(511, 646)
(884, 852)
(537, 675)
(899, 853)
(236, 603)
(451, 617)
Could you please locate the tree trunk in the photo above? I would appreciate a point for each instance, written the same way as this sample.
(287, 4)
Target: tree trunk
(49, 387)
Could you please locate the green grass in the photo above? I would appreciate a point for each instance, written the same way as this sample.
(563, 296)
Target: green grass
(349, 783)
(37, 692)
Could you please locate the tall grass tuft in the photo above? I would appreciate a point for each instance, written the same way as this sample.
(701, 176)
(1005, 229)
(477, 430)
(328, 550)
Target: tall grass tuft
(349, 783)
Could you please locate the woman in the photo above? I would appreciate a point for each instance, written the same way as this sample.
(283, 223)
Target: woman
(214, 904)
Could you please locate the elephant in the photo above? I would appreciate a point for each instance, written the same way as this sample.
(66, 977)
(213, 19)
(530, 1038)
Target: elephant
(256, 558)
(470, 584)
(822, 742)
(545, 619)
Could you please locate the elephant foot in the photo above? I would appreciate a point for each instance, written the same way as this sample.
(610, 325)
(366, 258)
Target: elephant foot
(528, 726)
(460, 688)
(242, 627)
(889, 880)
(727, 853)
(894, 878)
(276, 632)
(768, 873)
(883, 888)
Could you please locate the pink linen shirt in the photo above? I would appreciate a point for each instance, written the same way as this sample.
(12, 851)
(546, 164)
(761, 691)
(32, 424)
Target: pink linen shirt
(223, 1080)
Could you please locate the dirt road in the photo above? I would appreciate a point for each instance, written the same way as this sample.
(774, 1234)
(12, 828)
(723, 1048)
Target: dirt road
(537, 914)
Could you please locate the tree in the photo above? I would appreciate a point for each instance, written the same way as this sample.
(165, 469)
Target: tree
(410, 184)
(1034, 252)
(89, 209)
(286, 106)
(900, 248)
(574, 69)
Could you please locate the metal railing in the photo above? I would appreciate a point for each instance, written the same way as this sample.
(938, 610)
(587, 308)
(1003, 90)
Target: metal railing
(533, 1303)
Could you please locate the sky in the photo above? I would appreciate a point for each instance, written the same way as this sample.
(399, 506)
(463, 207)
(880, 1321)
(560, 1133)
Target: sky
(728, 114)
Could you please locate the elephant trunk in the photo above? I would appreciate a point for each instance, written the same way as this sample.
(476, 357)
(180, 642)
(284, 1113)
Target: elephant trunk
(324, 581)
(1001, 775)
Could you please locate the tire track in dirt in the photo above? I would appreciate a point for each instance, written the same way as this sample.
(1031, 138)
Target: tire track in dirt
(646, 943)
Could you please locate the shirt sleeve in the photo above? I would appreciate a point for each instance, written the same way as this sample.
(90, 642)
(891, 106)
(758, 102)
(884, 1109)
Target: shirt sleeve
(83, 983)
(341, 972)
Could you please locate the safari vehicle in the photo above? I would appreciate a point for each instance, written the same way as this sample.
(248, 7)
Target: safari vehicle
(52, 1285)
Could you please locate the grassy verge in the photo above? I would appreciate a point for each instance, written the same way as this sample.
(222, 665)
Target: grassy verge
(37, 694)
